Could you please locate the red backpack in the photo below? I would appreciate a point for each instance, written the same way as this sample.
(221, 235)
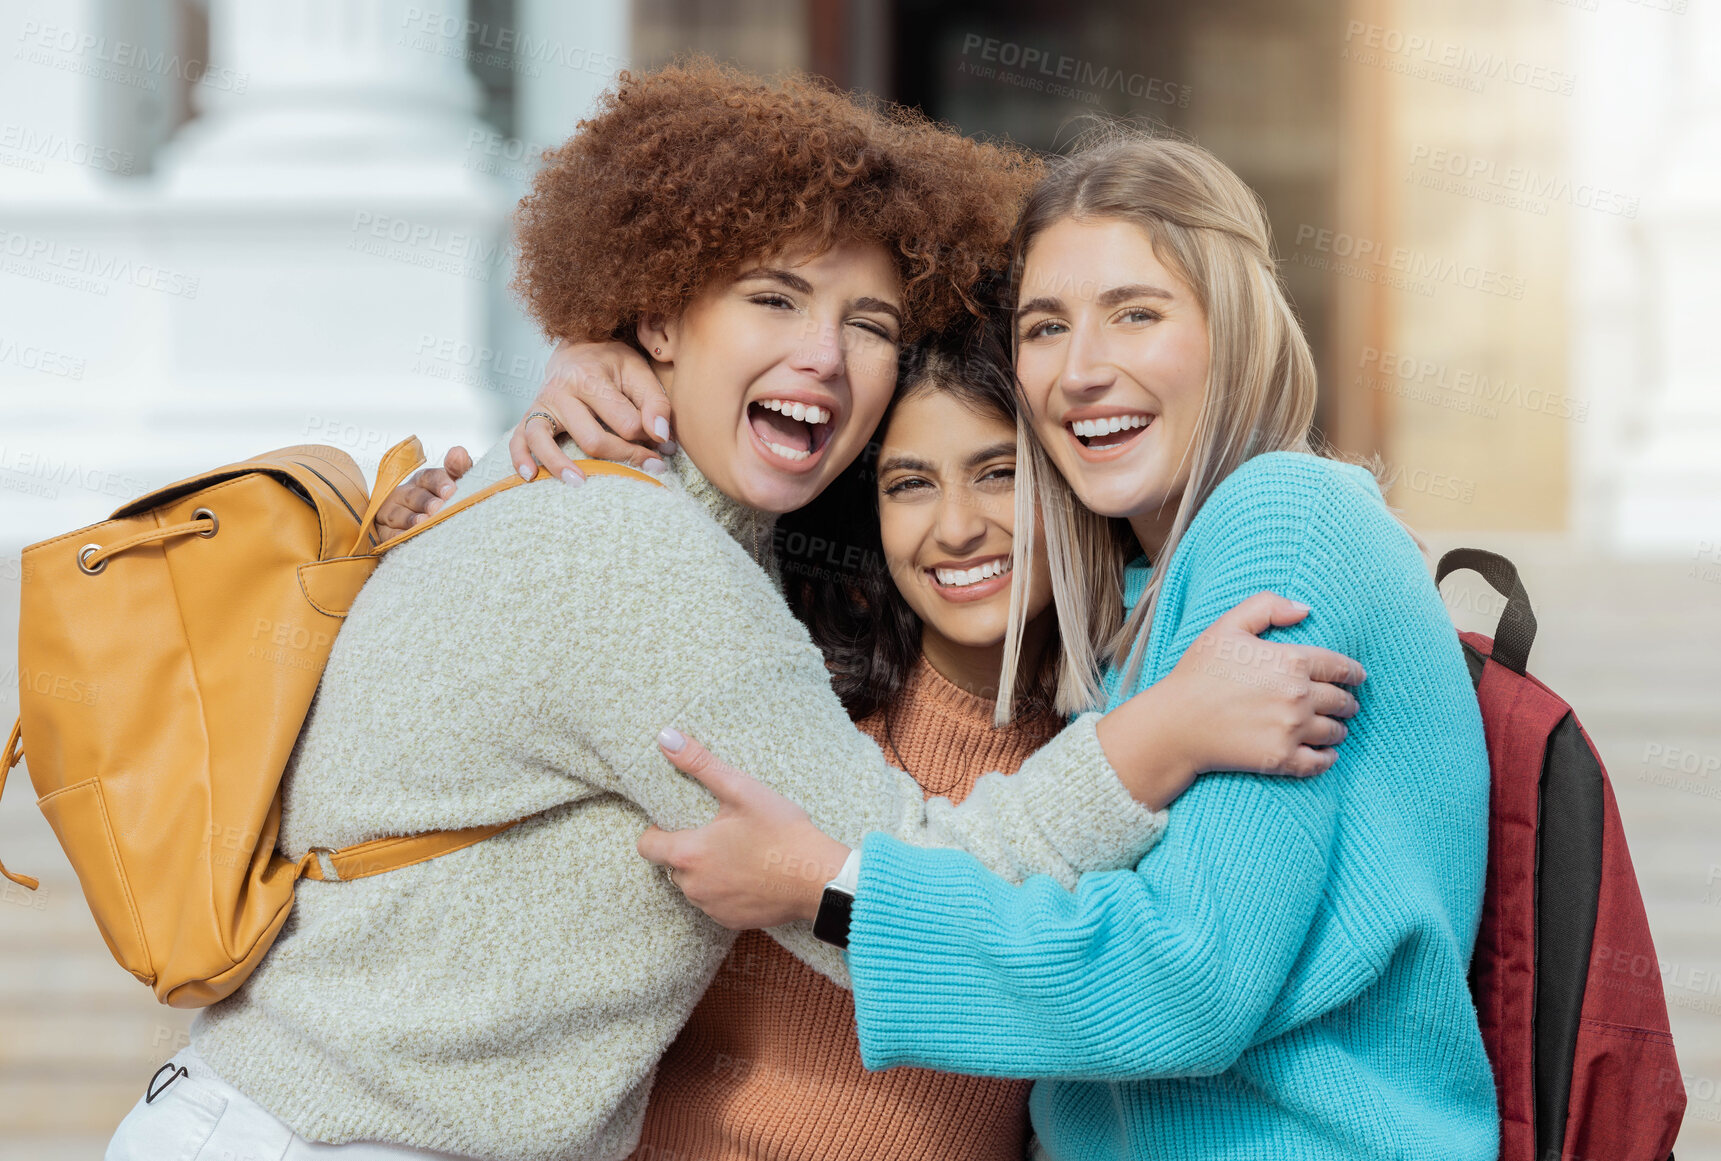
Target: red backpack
(1564, 976)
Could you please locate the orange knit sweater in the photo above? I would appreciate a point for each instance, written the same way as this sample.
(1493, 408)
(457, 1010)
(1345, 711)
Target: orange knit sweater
(768, 1066)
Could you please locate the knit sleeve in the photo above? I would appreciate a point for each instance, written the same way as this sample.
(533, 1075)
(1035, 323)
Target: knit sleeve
(1174, 968)
(683, 629)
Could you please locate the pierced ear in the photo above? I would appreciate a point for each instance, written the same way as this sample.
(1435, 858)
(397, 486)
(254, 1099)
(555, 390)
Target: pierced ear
(657, 336)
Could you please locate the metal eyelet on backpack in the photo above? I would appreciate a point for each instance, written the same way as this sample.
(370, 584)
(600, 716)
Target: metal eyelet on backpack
(214, 524)
(84, 554)
(150, 1092)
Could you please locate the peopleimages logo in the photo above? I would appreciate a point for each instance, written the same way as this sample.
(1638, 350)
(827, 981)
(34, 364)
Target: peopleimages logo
(1051, 68)
(24, 464)
(1365, 257)
(1463, 389)
(521, 48)
(119, 60)
(86, 269)
(35, 148)
(428, 245)
(1364, 43)
(488, 368)
(56, 685)
(37, 358)
(488, 151)
(1515, 186)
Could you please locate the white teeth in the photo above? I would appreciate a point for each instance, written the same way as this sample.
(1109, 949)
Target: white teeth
(787, 453)
(806, 412)
(963, 577)
(1089, 428)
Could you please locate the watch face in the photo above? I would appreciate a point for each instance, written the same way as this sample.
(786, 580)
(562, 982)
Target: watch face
(832, 922)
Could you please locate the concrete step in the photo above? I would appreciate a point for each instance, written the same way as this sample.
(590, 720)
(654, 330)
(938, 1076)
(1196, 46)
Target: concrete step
(80, 977)
(52, 1147)
(45, 1106)
(95, 1041)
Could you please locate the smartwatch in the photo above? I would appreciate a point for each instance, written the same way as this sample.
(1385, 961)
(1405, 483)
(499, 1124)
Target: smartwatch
(837, 904)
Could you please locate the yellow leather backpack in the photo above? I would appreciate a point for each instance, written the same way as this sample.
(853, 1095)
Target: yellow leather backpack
(167, 660)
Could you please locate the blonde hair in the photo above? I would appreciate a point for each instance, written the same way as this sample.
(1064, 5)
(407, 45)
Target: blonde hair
(1208, 228)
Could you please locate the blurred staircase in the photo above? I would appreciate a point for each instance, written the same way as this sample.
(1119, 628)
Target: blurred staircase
(1636, 649)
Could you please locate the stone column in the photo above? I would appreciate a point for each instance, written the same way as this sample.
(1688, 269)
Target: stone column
(563, 56)
(341, 236)
(336, 84)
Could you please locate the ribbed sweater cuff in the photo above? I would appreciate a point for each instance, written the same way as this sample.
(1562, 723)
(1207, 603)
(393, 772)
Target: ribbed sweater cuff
(1086, 812)
(919, 930)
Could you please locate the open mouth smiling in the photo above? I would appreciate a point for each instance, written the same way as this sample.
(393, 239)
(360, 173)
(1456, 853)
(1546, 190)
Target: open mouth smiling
(969, 580)
(793, 431)
(1110, 431)
(963, 577)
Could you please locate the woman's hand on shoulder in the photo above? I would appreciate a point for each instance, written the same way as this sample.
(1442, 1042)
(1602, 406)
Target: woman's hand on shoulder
(760, 863)
(421, 496)
(1235, 702)
(606, 396)
(603, 394)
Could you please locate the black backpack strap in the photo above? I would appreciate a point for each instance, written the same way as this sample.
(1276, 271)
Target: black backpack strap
(1571, 817)
(1517, 629)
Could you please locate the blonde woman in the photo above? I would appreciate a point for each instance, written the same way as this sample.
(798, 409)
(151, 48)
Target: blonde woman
(1283, 975)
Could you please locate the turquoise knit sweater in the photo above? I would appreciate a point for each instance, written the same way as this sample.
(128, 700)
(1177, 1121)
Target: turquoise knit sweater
(1283, 976)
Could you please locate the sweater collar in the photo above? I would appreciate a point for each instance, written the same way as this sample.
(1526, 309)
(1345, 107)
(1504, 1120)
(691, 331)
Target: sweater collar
(925, 682)
(752, 528)
(1136, 574)
(924, 685)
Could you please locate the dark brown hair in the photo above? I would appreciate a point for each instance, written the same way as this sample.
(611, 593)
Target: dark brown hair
(832, 554)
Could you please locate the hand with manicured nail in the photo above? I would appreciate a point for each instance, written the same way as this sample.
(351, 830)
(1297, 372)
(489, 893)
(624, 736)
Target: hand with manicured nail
(422, 495)
(1235, 701)
(604, 395)
(760, 863)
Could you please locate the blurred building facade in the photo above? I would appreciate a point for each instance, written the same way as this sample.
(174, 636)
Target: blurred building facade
(230, 222)
(1496, 220)
(232, 225)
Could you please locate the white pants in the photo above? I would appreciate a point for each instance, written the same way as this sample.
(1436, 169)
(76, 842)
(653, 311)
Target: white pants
(200, 1117)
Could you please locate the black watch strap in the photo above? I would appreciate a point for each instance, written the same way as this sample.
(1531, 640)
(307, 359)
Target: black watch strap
(832, 922)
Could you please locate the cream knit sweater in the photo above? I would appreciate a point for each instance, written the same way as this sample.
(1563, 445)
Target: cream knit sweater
(510, 1001)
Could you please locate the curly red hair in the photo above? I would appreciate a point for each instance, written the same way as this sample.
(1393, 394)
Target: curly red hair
(688, 171)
